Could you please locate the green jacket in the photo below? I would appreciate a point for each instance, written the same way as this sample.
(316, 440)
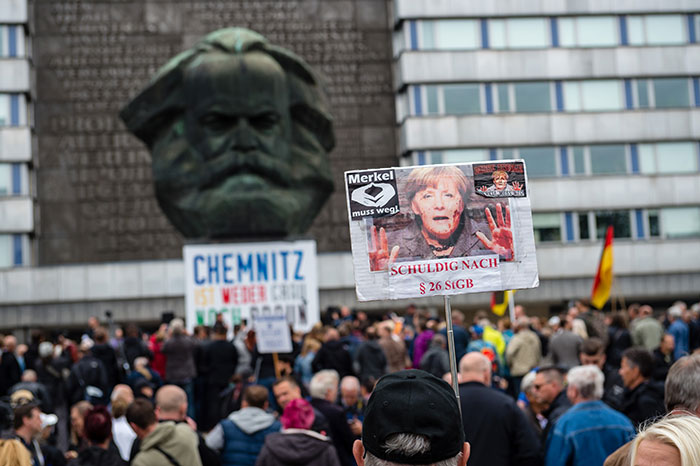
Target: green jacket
(177, 440)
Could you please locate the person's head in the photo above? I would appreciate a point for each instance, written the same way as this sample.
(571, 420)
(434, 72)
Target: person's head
(592, 352)
(122, 396)
(682, 389)
(437, 198)
(77, 416)
(220, 330)
(27, 420)
(519, 311)
(13, 453)
(311, 345)
(29, 375)
(457, 318)
(100, 335)
(412, 417)
(668, 343)
(549, 382)
(636, 366)
(98, 425)
(350, 390)
(438, 341)
(324, 385)
(298, 414)
(500, 179)
(285, 390)
(45, 350)
(584, 383)
(672, 441)
(255, 396)
(171, 403)
(645, 311)
(10, 343)
(141, 363)
(93, 322)
(141, 417)
(475, 367)
(177, 326)
(239, 130)
(674, 313)
(522, 323)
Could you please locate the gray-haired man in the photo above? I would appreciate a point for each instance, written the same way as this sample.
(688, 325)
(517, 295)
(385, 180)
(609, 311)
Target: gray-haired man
(412, 417)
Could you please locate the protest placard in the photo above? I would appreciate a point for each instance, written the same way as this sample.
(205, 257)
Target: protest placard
(246, 280)
(441, 230)
(272, 334)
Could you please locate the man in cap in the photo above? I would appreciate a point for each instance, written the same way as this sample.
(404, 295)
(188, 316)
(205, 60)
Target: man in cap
(412, 417)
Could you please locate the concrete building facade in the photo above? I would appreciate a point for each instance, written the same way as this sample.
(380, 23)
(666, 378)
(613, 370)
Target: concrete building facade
(601, 99)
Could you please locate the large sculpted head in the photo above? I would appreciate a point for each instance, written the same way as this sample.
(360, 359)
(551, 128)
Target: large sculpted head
(239, 133)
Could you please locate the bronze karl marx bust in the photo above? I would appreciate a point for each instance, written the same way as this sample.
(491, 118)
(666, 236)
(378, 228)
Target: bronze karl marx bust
(239, 131)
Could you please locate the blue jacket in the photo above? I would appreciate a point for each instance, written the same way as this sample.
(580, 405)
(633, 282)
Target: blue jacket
(240, 436)
(587, 434)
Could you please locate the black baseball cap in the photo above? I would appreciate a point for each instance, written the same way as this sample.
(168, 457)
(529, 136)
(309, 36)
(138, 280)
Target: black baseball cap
(414, 402)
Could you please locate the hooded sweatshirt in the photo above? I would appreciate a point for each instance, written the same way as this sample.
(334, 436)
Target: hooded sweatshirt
(295, 447)
(241, 435)
(177, 440)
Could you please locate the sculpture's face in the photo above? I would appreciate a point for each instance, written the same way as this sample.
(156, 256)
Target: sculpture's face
(232, 174)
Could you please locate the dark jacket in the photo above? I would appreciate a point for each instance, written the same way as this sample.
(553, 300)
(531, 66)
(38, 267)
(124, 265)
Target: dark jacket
(179, 365)
(496, 428)
(295, 447)
(40, 392)
(96, 456)
(220, 359)
(86, 373)
(371, 360)
(105, 353)
(10, 372)
(333, 355)
(645, 402)
(134, 347)
(559, 406)
(662, 363)
(340, 432)
(436, 361)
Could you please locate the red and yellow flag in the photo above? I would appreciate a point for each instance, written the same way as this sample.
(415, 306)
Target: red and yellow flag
(604, 277)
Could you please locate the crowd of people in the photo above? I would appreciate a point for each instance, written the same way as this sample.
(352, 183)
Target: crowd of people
(573, 389)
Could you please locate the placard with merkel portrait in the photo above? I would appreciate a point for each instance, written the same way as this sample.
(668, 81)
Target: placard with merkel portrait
(441, 229)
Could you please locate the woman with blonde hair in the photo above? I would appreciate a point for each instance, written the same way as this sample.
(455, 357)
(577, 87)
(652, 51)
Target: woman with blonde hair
(13, 453)
(673, 441)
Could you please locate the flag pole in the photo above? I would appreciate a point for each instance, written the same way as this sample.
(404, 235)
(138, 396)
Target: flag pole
(511, 306)
(451, 348)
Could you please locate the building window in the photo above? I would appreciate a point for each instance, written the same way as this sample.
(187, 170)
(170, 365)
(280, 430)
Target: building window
(519, 33)
(619, 219)
(6, 184)
(657, 30)
(671, 92)
(589, 31)
(453, 99)
(461, 99)
(450, 34)
(540, 161)
(593, 96)
(6, 251)
(668, 157)
(583, 231)
(547, 227)
(654, 224)
(12, 41)
(608, 159)
(464, 156)
(532, 97)
(681, 222)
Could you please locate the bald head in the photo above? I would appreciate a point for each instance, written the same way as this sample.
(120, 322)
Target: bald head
(475, 367)
(171, 403)
(29, 376)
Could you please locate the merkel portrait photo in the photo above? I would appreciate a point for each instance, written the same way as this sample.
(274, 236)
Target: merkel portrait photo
(440, 216)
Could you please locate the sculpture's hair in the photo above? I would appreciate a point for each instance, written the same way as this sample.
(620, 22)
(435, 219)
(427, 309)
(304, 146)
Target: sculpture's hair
(588, 380)
(429, 177)
(681, 432)
(162, 99)
(323, 381)
(682, 390)
(408, 445)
